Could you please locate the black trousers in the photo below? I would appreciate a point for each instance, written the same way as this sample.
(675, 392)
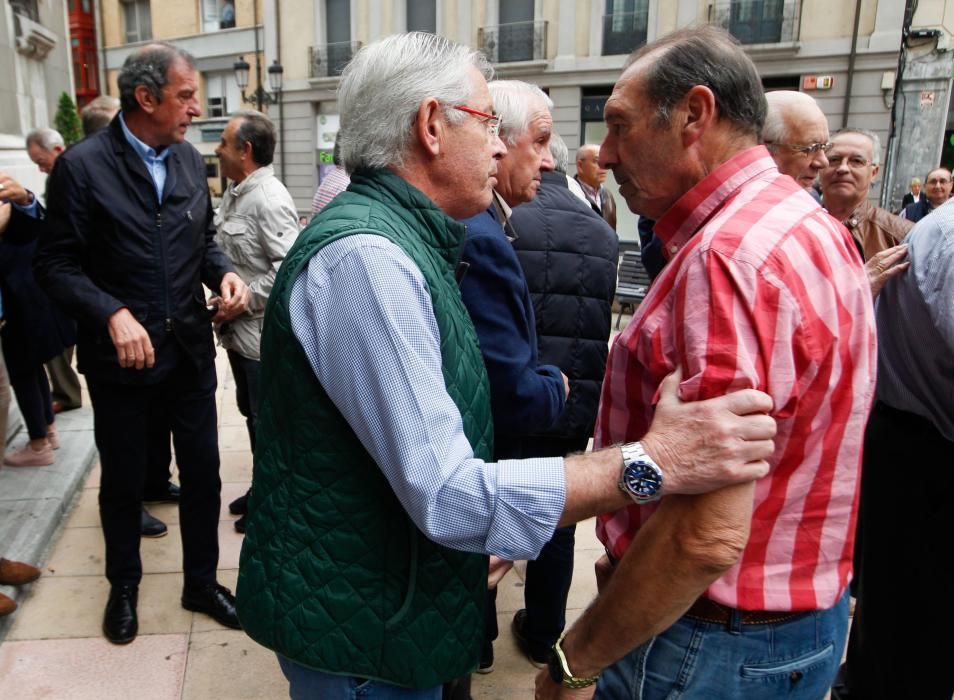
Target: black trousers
(33, 397)
(123, 423)
(904, 597)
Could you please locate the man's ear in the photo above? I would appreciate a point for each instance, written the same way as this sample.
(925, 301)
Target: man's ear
(700, 113)
(147, 102)
(874, 171)
(430, 127)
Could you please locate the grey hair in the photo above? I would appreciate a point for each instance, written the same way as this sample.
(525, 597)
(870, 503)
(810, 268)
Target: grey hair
(915, 181)
(149, 67)
(781, 104)
(512, 102)
(584, 149)
(710, 57)
(561, 154)
(47, 139)
(98, 113)
(383, 87)
(871, 136)
(258, 130)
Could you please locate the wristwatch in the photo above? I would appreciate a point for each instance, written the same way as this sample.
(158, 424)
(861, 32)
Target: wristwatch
(560, 670)
(641, 478)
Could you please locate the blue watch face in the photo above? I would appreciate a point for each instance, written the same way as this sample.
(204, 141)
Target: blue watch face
(641, 480)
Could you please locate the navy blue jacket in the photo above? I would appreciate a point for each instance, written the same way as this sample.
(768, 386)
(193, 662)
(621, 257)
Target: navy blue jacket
(918, 210)
(111, 244)
(524, 396)
(35, 331)
(569, 255)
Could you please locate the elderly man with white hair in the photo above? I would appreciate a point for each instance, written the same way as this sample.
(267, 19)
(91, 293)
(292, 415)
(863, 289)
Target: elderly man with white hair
(375, 504)
(796, 134)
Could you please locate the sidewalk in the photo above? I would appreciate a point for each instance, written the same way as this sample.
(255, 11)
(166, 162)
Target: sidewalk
(54, 648)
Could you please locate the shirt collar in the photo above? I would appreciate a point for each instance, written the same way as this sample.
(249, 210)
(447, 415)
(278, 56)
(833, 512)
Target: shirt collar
(591, 192)
(695, 207)
(251, 180)
(146, 152)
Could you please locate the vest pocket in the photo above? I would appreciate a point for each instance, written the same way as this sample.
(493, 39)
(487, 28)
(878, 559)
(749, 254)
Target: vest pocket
(411, 577)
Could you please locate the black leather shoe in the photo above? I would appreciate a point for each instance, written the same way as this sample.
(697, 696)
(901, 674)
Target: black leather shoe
(214, 600)
(240, 505)
(152, 526)
(168, 494)
(240, 524)
(120, 623)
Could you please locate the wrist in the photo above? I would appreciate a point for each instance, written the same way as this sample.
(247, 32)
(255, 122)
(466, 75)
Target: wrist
(658, 452)
(576, 657)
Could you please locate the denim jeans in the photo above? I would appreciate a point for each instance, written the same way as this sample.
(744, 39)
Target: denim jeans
(692, 659)
(307, 684)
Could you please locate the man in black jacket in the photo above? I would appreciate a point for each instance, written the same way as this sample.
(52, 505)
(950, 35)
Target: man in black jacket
(128, 248)
(569, 255)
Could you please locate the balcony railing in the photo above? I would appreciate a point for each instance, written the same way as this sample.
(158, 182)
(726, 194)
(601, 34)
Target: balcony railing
(757, 21)
(328, 60)
(624, 31)
(518, 41)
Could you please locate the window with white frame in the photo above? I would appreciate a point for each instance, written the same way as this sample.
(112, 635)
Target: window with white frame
(137, 20)
(222, 95)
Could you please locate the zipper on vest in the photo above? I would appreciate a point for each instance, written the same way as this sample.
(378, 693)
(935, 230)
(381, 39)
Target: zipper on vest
(164, 273)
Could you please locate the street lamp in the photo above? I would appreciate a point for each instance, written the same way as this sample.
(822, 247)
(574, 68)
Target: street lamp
(260, 96)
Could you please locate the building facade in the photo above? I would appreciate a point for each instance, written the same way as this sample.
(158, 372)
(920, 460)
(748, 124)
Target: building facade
(853, 57)
(35, 69)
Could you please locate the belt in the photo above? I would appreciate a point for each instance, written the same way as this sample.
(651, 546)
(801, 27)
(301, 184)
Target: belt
(706, 610)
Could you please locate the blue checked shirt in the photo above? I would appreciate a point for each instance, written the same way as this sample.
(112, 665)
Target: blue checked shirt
(363, 314)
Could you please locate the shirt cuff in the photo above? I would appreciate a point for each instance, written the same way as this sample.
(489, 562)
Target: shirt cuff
(32, 209)
(531, 494)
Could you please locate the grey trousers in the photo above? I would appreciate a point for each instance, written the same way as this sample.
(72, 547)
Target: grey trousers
(64, 383)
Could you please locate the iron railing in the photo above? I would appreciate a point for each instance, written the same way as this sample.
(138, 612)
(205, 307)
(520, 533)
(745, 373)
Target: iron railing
(757, 21)
(328, 60)
(624, 31)
(517, 41)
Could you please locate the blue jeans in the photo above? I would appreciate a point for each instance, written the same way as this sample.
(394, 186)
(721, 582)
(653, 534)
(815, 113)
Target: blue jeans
(307, 684)
(693, 659)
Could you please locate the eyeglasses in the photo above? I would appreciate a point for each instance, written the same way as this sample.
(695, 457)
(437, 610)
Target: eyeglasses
(491, 121)
(854, 162)
(939, 181)
(806, 149)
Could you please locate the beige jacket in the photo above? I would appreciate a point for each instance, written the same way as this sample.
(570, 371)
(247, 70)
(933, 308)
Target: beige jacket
(255, 227)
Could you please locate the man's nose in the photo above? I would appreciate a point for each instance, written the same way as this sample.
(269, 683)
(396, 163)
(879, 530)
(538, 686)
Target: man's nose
(547, 163)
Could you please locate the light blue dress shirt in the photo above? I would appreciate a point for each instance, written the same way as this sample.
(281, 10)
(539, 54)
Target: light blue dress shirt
(155, 162)
(363, 314)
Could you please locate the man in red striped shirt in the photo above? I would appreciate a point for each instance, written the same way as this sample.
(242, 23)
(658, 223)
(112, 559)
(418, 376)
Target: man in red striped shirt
(744, 588)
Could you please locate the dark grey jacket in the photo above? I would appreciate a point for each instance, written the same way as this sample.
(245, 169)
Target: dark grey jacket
(569, 256)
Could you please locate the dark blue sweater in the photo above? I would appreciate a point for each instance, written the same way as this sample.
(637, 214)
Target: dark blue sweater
(525, 397)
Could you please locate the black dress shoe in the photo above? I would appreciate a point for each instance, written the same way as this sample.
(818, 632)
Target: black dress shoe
(214, 600)
(240, 505)
(120, 623)
(167, 494)
(152, 526)
(240, 524)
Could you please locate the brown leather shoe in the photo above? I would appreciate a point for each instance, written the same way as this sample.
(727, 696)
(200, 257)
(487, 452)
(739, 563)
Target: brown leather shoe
(16, 573)
(7, 605)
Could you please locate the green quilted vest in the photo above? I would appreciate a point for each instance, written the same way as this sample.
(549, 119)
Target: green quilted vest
(334, 574)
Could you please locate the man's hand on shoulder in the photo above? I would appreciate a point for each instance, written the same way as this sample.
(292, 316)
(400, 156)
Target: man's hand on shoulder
(133, 346)
(233, 300)
(884, 265)
(702, 446)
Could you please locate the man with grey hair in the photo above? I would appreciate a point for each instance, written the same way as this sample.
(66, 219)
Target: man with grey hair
(374, 502)
(846, 183)
(43, 146)
(937, 190)
(98, 113)
(525, 395)
(796, 134)
(130, 242)
(256, 225)
(591, 175)
(569, 255)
